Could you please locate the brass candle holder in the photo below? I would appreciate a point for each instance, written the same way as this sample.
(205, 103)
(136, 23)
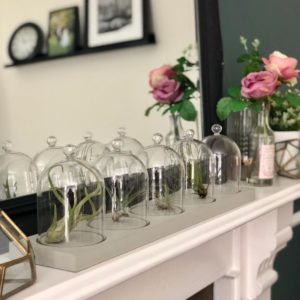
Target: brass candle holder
(17, 267)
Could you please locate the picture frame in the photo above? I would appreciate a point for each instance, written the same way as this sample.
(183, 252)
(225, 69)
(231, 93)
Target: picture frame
(114, 23)
(63, 32)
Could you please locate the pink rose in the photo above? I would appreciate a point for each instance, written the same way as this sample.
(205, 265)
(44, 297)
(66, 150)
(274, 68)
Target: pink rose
(168, 91)
(283, 66)
(158, 75)
(259, 84)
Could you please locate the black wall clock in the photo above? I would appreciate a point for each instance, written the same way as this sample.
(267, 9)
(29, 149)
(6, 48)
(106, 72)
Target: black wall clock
(26, 42)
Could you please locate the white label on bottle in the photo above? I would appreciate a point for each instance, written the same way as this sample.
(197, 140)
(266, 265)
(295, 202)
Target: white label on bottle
(266, 166)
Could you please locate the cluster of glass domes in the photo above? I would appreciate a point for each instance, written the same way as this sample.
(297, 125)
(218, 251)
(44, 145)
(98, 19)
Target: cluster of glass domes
(81, 189)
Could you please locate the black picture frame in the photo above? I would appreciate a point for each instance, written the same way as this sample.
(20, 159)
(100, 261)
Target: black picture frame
(125, 34)
(63, 31)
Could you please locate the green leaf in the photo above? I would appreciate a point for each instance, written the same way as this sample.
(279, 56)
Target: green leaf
(148, 110)
(293, 99)
(227, 105)
(278, 99)
(187, 111)
(256, 106)
(243, 58)
(175, 107)
(234, 92)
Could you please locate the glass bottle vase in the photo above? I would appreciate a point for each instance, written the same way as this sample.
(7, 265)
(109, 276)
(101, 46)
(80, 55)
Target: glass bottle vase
(262, 151)
(176, 131)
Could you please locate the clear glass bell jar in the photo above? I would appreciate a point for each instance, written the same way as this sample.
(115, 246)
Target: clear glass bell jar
(49, 155)
(129, 144)
(227, 161)
(18, 176)
(70, 195)
(199, 165)
(90, 150)
(126, 182)
(166, 178)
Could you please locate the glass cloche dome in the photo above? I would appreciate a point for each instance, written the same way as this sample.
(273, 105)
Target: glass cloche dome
(199, 168)
(166, 178)
(18, 176)
(90, 150)
(129, 144)
(227, 160)
(126, 181)
(70, 195)
(50, 155)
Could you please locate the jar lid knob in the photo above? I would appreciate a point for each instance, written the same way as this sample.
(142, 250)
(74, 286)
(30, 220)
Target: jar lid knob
(87, 135)
(157, 138)
(216, 129)
(189, 134)
(51, 141)
(69, 151)
(117, 144)
(7, 146)
(122, 131)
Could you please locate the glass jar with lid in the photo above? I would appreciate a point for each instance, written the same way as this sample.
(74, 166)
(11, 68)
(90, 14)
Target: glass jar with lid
(18, 176)
(199, 165)
(90, 150)
(166, 178)
(126, 181)
(227, 160)
(129, 144)
(50, 155)
(70, 195)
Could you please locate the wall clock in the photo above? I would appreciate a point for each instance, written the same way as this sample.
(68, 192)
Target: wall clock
(26, 42)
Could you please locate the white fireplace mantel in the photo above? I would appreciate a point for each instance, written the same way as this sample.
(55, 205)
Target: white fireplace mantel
(231, 243)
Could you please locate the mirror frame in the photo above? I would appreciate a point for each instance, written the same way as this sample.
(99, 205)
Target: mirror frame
(209, 38)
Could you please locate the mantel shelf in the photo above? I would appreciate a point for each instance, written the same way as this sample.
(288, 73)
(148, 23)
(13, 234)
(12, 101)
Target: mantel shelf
(150, 39)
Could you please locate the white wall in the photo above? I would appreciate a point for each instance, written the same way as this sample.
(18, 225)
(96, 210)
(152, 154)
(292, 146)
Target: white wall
(97, 92)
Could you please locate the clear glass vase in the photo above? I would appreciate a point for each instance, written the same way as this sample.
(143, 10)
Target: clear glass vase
(262, 151)
(176, 131)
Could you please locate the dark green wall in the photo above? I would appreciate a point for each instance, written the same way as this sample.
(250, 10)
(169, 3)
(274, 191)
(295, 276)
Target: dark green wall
(274, 22)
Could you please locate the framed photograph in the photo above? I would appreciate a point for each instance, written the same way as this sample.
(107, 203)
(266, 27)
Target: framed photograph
(110, 22)
(63, 31)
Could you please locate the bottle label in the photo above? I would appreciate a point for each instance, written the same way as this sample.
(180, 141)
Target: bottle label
(266, 166)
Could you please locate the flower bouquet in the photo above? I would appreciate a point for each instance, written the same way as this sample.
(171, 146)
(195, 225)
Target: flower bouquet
(173, 90)
(268, 86)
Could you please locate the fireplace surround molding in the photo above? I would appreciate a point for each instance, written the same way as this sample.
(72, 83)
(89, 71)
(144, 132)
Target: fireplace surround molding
(231, 243)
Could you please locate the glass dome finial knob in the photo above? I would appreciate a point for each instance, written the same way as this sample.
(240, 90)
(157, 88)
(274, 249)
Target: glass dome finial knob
(69, 151)
(189, 134)
(51, 141)
(157, 138)
(117, 144)
(7, 146)
(122, 131)
(88, 136)
(216, 129)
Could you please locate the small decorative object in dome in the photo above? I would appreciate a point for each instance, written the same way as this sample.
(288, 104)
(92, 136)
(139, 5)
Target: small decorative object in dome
(129, 144)
(18, 176)
(126, 181)
(199, 168)
(50, 155)
(90, 150)
(227, 160)
(166, 178)
(70, 195)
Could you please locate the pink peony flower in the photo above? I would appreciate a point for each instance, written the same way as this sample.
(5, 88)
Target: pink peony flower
(158, 75)
(259, 84)
(168, 91)
(282, 65)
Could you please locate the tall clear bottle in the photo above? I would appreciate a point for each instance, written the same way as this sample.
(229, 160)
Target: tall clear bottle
(262, 151)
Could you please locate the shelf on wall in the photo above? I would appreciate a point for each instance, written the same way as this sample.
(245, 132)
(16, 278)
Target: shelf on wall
(150, 39)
